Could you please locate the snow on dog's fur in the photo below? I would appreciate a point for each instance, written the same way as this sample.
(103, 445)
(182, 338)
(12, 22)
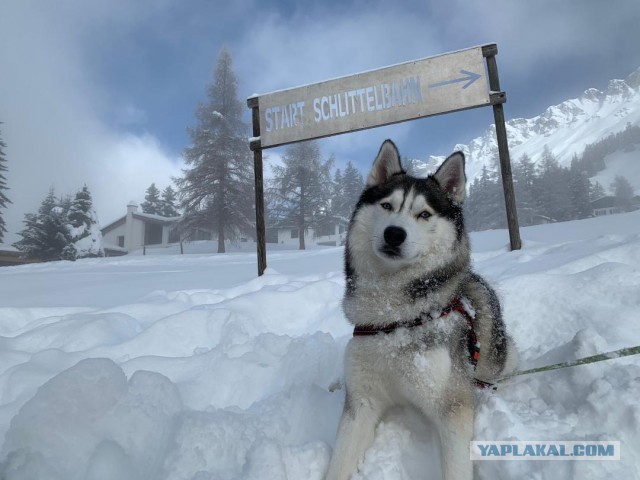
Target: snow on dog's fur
(406, 258)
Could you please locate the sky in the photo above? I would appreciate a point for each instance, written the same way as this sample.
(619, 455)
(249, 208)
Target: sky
(102, 92)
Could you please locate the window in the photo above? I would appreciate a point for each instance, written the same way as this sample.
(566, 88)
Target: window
(121, 241)
(294, 233)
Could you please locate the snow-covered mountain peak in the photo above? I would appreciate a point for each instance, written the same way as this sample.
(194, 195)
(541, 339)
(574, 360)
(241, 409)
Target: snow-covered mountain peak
(565, 128)
(619, 88)
(633, 80)
(594, 95)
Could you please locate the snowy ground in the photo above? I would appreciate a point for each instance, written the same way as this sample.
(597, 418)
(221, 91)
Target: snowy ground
(190, 368)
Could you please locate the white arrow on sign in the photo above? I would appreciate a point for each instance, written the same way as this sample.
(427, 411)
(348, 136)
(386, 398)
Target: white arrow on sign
(469, 77)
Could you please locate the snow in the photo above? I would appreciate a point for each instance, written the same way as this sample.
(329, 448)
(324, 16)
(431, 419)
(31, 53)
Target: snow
(624, 164)
(565, 129)
(91, 245)
(160, 218)
(189, 367)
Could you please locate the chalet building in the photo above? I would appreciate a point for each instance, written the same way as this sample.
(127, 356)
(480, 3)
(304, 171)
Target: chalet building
(10, 255)
(333, 234)
(136, 230)
(608, 205)
(605, 206)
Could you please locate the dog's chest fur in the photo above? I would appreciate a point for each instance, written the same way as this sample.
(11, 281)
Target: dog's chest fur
(405, 363)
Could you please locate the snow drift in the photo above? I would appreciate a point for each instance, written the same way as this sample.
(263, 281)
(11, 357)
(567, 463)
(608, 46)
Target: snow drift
(188, 367)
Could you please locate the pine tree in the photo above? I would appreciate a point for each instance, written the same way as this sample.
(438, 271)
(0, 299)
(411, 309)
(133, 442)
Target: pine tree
(579, 190)
(152, 203)
(301, 187)
(83, 225)
(3, 186)
(337, 194)
(217, 190)
(596, 191)
(168, 203)
(80, 212)
(553, 184)
(524, 180)
(347, 189)
(353, 186)
(623, 191)
(484, 208)
(46, 236)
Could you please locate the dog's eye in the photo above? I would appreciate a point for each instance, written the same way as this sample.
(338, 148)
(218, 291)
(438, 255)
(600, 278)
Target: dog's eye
(424, 215)
(386, 206)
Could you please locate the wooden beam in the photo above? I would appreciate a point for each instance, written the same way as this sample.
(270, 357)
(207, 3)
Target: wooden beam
(503, 153)
(498, 98)
(253, 103)
(489, 50)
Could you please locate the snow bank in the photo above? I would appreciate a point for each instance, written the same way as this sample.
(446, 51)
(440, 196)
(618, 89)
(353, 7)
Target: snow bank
(89, 422)
(189, 367)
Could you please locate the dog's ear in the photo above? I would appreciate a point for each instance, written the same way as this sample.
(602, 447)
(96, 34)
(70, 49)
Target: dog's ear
(452, 178)
(386, 164)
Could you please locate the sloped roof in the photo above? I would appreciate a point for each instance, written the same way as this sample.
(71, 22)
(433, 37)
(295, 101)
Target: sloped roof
(604, 202)
(145, 217)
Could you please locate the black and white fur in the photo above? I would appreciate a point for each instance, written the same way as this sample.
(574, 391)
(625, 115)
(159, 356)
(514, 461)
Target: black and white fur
(407, 257)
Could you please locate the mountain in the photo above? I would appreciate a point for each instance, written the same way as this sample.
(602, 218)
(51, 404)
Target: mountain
(565, 128)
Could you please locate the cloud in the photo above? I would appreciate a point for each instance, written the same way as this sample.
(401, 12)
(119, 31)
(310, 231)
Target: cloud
(540, 43)
(130, 115)
(533, 34)
(80, 83)
(53, 115)
(325, 42)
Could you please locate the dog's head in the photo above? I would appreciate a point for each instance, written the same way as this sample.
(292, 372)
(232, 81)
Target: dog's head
(401, 220)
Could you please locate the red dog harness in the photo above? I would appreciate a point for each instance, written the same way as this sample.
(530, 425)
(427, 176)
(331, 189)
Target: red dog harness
(456, 305)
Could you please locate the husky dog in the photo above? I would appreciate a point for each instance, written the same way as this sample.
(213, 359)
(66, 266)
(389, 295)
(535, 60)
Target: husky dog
(427, 329)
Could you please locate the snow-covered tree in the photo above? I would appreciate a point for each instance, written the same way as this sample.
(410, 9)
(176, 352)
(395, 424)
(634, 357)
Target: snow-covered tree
(168, 203)
(80, 211)
(623, 191)
(152, 203)
(64, 228)
(216, 190)
(302, 187)
(46, 236)
(83, 225)
(3, 187)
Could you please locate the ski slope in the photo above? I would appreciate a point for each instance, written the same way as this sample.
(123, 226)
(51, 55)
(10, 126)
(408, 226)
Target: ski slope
(190, 368)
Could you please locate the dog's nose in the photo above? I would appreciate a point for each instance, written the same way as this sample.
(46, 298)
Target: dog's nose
(394, 236)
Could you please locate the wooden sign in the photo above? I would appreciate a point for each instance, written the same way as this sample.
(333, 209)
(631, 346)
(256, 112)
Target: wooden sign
(445, 83)
(431, 86)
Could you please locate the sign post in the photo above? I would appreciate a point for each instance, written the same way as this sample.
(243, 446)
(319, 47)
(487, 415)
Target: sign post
(254, 104)
(432, 86)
